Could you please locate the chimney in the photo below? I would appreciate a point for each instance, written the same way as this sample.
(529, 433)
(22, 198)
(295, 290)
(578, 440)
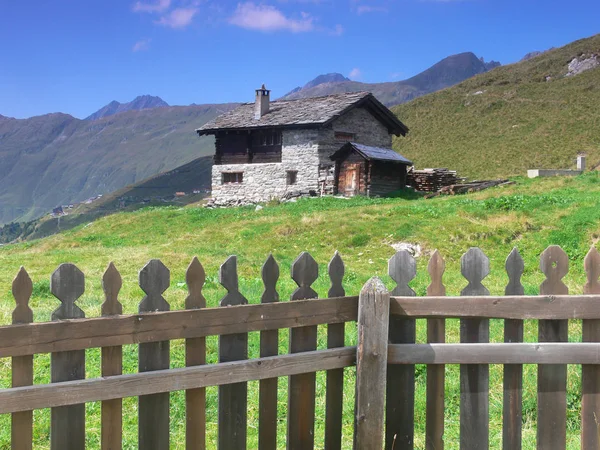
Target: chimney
(261, 106)
(581, 162)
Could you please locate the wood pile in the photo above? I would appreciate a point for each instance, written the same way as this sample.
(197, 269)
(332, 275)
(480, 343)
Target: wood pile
(473, 186)
(432, 180)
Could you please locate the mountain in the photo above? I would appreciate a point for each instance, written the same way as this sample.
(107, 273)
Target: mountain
(535, 53)
(321, 79)
(137, 104)
(57, 159)
(521, 116)
(447, 72)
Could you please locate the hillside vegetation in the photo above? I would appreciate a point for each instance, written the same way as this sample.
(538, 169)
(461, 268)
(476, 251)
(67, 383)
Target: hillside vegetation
(56, 159)
(530, 215)
(513, 118)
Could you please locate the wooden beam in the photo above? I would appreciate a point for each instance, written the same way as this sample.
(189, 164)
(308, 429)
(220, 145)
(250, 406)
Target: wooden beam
(66, 335)
(169, 380)
(545, 353)
(507, 307)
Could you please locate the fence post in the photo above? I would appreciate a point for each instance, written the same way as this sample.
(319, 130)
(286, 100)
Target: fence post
(474, 378)
(269, 342)
(22, 366)
(590, 374)
(233, 398)
(67, 423)
(400, 405)
(112, 364)
(153, 410)
(335, 378)
(552, 378)
(436, 373)
(195, 355)
(513, 373)
(301, 388)
(371, 365)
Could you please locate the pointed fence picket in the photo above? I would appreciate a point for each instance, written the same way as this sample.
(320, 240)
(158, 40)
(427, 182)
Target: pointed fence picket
(385, 356)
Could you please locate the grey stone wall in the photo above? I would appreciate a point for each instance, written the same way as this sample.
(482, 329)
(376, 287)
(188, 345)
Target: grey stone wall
(263, 182)
(367, 130)
(306, 151)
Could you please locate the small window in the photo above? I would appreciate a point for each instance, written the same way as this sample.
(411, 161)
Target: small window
(266, 139)
(232, 177)
(346, 137)
(291, 177)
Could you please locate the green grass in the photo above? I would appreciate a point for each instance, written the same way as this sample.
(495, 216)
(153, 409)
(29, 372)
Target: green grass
(530, 215)
(510, 119)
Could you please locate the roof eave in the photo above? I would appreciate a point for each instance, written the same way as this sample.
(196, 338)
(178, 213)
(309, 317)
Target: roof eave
(207, 131)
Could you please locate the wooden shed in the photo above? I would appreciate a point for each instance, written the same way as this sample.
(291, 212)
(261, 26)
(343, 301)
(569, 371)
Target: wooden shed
(371, 171)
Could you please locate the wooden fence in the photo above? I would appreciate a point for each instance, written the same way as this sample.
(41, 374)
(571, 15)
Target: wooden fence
(385, 356)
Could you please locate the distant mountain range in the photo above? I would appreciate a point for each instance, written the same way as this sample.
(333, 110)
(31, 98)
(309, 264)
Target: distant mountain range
(137, 104)
(57, 159)
(448, 72)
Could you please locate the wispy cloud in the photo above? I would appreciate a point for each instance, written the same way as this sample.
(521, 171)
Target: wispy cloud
(365, 9)
(141, 45)
(338, 30)
(268, 18)
(397, 75)
(178, 18)
(355, 74)
(156, 6)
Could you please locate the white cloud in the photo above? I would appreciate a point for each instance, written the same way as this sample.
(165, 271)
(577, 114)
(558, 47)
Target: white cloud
(355, 74)
(178, 18)
(156, 6)
(141, 45)
(396, 75)
(268, 18)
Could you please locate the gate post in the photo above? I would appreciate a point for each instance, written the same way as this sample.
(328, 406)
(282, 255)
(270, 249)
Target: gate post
(371, 365)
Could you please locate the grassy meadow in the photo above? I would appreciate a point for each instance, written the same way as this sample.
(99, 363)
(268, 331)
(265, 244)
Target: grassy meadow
(530, 215)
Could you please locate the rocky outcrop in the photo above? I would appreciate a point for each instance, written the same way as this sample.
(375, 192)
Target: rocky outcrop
(582, 64)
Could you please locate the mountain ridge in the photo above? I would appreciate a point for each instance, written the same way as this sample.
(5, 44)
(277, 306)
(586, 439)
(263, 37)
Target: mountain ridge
(139, 103)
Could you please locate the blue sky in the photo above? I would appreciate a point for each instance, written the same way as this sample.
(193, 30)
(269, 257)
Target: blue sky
(75, 56)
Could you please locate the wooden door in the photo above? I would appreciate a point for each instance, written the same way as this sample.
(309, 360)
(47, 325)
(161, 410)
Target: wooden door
(352, 180)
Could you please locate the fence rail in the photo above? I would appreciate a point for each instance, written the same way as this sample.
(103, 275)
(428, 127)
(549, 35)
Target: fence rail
(385, 355)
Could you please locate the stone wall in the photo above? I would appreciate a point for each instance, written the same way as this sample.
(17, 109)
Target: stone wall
(367, 130)
(263, 182)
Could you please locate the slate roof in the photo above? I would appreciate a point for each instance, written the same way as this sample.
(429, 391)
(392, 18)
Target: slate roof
(373, 153)
(303, 113)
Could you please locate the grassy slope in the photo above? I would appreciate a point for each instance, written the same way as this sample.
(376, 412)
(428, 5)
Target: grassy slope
(521, 121)
(530, 215)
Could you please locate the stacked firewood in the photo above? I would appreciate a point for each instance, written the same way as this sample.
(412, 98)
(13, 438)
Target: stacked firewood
(432, 180)
(473, 186)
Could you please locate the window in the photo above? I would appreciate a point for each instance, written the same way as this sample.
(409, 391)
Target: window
(232, 177)
(265, 139)
(343, 136)
(291, 177)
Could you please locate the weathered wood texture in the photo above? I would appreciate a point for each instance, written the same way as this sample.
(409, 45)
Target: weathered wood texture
(513, 374)
(552, 379)
(112, 363)
(153, 410)
(269, 340)
(233, 398)
(20, 340)
(335, 378)
(474, 378)
(67, 423)
(436, 333)
(518, 353)
(22, 366)
(153, 382)
(371, 365)
(590, 375)
(301, 388)
(195, 355)
(400, 395)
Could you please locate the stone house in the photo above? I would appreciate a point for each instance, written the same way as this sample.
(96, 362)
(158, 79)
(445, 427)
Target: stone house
(265, 150)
